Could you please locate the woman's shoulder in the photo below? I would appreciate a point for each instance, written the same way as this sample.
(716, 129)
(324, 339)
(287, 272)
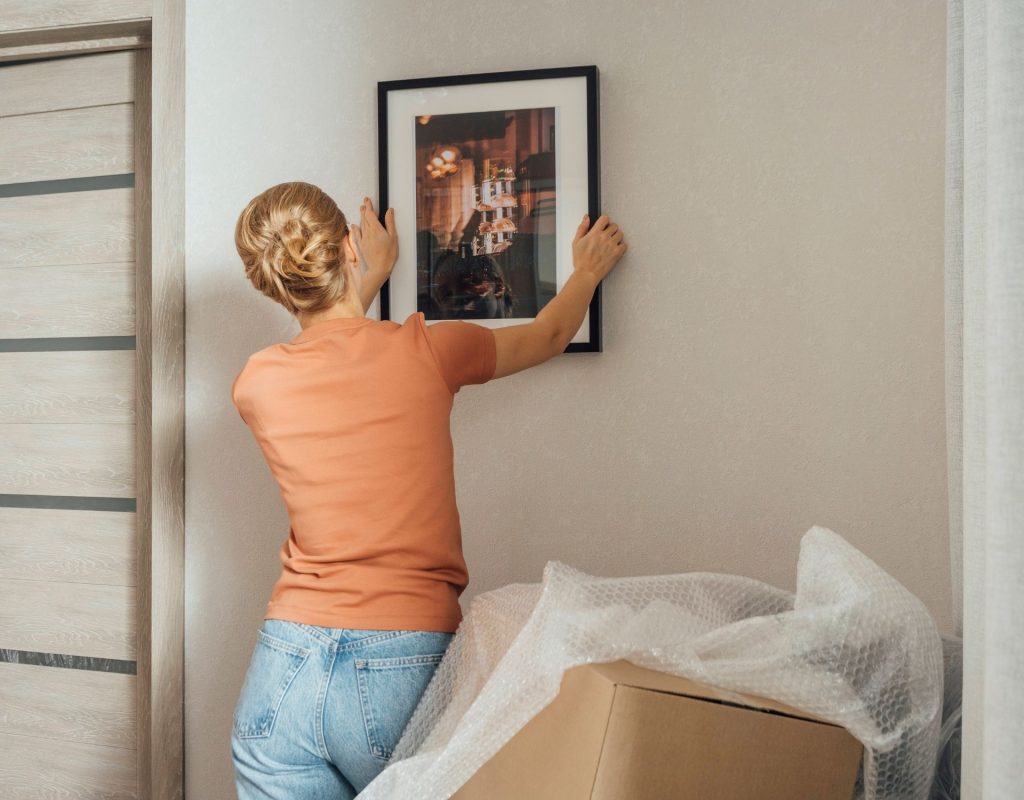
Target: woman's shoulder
(413, 324)
(395, 324)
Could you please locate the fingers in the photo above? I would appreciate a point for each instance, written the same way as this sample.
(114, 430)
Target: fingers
(609, 230)
(369, 216)
(602, 227)
(605, 230)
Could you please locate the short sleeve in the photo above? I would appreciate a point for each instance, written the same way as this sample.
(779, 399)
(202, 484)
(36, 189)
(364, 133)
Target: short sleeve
(466, 353)
(236, 399)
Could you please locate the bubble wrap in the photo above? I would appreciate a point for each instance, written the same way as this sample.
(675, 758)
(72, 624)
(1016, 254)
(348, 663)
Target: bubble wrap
(851, 646)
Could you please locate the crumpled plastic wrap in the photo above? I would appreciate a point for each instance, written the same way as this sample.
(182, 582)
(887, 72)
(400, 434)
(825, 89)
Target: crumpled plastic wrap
(851, 646)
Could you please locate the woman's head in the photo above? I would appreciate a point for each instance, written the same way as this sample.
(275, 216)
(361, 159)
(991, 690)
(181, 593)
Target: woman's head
(294, 243)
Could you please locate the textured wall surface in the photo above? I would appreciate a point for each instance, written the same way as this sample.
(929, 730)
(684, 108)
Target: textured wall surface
(773, 339)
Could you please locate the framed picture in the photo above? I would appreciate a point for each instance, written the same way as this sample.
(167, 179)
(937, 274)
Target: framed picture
(489, 175)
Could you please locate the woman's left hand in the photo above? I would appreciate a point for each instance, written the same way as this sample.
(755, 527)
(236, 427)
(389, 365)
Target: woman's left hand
(377, 244)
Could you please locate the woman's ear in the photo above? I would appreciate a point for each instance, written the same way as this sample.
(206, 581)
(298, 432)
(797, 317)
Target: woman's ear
(353, 271)
(350, 251)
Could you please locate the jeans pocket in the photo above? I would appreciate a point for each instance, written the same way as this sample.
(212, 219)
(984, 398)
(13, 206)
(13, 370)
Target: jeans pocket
(389, 691)
(273, 667)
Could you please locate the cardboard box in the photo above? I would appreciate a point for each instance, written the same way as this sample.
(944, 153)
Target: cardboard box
(617, 731)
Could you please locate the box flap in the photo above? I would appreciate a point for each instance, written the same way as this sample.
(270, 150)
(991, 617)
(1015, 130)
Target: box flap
(626, 673)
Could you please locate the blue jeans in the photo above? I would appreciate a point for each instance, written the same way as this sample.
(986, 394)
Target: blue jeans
(321, 709)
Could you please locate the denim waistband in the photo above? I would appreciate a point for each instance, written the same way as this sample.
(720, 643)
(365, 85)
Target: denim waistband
(339, 638)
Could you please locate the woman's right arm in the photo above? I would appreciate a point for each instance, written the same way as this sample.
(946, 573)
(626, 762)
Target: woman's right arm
(594, 253)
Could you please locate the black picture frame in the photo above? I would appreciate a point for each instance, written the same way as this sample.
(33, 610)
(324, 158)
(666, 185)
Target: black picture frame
(593, 191)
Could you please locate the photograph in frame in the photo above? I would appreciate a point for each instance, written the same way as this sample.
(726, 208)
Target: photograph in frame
(490, 175)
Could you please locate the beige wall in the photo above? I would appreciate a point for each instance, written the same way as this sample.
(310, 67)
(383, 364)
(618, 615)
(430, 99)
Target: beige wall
(773, 338)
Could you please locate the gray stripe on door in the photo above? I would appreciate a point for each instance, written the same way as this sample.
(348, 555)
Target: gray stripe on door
(67, 343)
(122, 181)
(67, 661)
(67, 502)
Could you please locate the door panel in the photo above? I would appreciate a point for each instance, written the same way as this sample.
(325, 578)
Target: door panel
(68, 523)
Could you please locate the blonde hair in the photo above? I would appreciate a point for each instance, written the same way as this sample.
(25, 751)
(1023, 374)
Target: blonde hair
(291, 238)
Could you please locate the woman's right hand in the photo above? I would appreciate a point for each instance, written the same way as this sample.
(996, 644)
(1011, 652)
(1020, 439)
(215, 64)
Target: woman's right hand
(596, 251)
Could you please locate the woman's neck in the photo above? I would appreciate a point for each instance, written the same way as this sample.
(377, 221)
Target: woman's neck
(340, 309)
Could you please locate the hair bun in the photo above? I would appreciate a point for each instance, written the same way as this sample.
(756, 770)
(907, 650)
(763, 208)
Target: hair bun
(290, 241)
(297, 255)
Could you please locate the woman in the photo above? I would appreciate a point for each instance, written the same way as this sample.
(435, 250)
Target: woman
(352, 417)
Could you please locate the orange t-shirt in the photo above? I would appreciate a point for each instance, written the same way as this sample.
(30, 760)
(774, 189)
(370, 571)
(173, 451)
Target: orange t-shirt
(353, 418)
